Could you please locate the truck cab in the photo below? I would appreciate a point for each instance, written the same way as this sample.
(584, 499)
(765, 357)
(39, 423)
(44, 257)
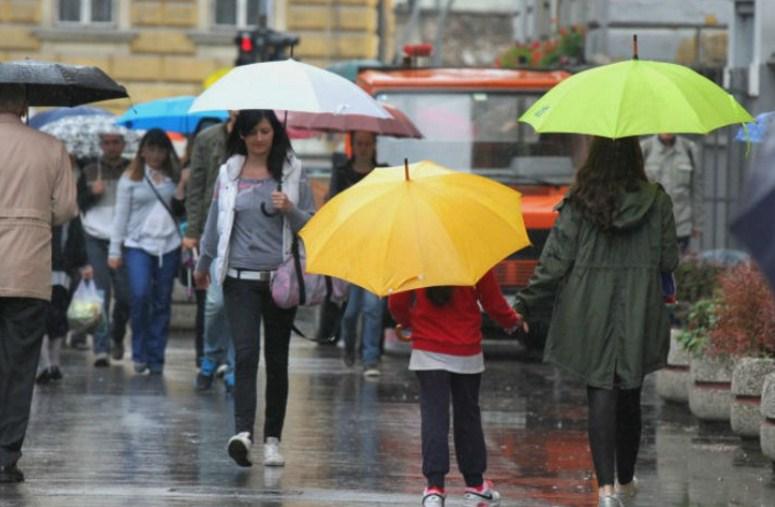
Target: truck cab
(468, 118)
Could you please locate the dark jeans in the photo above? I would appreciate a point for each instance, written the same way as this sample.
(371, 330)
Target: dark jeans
(150, 285)
(22, 326)
(435, 389)
(199, 335)
(109, 280)
(614, 432)
(247, 303)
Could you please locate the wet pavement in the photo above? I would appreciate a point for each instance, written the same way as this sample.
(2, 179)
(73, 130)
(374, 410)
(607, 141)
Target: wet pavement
(106, 437)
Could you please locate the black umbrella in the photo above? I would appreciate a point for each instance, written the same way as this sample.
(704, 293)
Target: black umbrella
(754, 225)
(58, 84)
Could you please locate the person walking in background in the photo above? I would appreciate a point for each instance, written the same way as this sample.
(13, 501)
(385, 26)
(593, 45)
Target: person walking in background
(601, 270)
(69, 264)
(249, 231)
(359, 300)
(674, 163)
(207, 154)
(97, 188)
(148, 198)
(38, 191)
(447, 357)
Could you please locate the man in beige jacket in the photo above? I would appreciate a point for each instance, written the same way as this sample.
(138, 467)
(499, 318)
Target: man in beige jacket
(37, 191)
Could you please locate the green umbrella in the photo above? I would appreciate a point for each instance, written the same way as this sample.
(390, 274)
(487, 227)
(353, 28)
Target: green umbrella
(635, 97)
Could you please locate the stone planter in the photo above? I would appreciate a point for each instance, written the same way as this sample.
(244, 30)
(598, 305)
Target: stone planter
(672, 382)
(710, 394)
(767, 427)
(747, 381)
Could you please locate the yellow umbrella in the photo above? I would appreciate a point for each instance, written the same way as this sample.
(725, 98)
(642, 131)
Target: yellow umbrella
(421, 225)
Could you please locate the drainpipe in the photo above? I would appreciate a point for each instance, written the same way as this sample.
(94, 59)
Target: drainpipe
(438, 45)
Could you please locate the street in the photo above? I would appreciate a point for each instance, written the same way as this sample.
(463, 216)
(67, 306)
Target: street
(108, 438)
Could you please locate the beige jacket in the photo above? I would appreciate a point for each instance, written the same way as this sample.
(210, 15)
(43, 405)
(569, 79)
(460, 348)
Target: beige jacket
(37, 190)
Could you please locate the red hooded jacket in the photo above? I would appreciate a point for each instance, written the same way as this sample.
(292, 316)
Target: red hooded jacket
(454, 328)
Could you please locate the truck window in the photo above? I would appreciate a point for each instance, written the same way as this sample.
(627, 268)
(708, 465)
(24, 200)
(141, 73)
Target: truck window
(478, 132)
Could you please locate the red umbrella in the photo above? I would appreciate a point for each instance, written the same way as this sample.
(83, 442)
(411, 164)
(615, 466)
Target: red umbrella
(397, 126)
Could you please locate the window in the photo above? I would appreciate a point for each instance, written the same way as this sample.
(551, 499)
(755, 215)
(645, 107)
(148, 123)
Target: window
(239, 13)
(85, 11)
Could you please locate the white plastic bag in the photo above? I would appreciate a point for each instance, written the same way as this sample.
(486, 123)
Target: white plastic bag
(85, 311)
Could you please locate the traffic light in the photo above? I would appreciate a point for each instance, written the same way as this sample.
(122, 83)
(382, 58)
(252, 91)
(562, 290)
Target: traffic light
(246, 48)
(263, 45)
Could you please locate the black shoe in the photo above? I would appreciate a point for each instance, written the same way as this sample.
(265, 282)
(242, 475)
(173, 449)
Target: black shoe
(102, 361)
(117, 353)
(55, 373)
(203, 382)
(10, 474)
(44, 377)
(349, 357)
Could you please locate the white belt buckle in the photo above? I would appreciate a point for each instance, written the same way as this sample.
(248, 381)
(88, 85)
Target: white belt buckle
(257, 276)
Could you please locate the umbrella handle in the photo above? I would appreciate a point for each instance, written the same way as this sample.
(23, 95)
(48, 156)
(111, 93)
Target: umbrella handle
(263, 204)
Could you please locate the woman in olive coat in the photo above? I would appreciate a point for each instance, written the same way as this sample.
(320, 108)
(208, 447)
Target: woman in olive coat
(600, 271)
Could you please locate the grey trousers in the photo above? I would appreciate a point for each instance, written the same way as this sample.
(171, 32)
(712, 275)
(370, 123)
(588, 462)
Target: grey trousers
(22, 325)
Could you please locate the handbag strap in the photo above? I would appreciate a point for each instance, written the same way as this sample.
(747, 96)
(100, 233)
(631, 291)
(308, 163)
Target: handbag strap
(299, 270)
(161, 200)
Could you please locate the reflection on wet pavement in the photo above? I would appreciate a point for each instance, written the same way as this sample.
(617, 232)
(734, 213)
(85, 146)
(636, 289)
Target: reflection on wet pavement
(106, 437)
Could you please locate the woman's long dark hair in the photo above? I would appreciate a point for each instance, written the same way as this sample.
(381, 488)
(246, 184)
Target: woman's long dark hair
(281, 145)
(613, 167)
(440, 295)
(158, 138)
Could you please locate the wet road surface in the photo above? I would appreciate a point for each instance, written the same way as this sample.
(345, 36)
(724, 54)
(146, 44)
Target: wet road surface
(106, 437)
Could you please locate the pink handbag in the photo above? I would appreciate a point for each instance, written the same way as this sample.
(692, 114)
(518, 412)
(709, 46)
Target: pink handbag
(293, 286)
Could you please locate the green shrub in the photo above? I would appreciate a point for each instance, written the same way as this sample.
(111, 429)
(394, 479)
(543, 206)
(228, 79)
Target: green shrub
(701, 320)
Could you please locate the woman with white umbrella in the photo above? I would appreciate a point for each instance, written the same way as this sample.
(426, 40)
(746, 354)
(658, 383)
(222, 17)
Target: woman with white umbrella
(261, 200)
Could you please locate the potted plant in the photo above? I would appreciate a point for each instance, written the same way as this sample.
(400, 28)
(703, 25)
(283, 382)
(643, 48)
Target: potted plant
(695, 282)
(767, 427)
(743, 328)
(745, 331)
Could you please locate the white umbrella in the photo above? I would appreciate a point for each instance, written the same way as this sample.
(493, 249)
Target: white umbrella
(81, 134)
(289, 86)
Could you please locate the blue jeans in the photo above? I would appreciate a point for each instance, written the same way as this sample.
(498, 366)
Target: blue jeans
(108, 280)
(150, 292)
(359, 300)
(218, 343)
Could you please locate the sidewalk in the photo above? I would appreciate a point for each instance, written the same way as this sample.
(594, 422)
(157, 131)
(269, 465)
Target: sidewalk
(108, 438)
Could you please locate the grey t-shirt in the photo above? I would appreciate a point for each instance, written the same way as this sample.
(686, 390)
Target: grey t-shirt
(256, 239)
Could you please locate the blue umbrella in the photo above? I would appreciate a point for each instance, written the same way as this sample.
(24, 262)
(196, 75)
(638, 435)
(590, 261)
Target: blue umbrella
(169, 114)
(757, 130)
(53, 115)
(753, 225)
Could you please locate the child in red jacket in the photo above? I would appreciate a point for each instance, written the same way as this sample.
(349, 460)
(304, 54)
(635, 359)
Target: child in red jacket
(447, 356)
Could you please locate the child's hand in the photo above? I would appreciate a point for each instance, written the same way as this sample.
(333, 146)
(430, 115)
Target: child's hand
(521, 324)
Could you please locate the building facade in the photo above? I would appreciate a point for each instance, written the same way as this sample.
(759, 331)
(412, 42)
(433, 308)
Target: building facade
(162, 48)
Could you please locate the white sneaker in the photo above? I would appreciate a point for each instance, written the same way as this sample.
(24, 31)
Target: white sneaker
(239, 449)
(627, 490)
(272, 456)
(483, 496)
(432, 498)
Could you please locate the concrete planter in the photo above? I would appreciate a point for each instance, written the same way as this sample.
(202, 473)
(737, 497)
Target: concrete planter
(710, 394)
(767, 427)
(747, 382)
(672, 381)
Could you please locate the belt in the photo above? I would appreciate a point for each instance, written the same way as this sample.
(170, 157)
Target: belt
(245, 274)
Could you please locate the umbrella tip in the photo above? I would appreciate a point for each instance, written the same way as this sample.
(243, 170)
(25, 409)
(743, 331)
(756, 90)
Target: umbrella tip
(635, 46)
(406, 169)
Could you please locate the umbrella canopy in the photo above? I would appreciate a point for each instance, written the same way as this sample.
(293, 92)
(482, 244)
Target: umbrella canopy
(81, 134)
(402, 228)
(633, 98)
(753, 224)
(398, 125)
(52, 115)
(757, 131)
(58, 84)
(288, 86)
(169, 114)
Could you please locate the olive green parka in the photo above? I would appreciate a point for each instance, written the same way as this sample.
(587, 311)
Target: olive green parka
(609, 319)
